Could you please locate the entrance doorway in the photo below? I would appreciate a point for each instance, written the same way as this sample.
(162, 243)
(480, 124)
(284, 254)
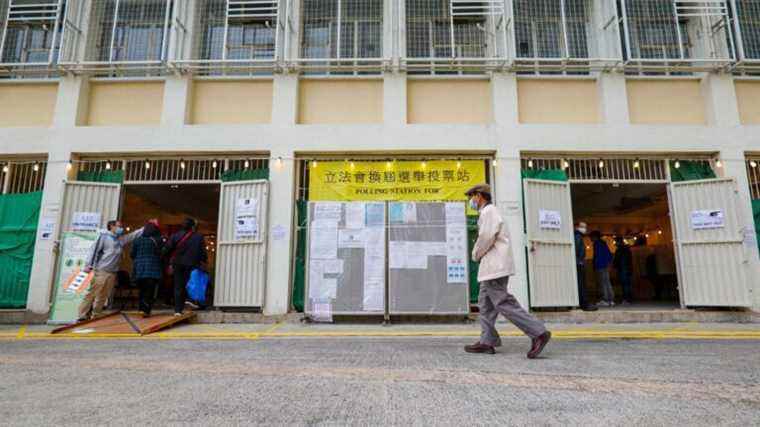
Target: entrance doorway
(170, 204)
(633, 221)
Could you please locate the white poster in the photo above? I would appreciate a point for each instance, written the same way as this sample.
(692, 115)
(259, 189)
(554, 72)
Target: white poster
(278, 232)
(327, 211)
(398, 254)
(374, 241)
(456, 253)
(417, 262)
(323, 241)
(246, 219)
(321, 287)
(47, 227)
(549, 220)
(333, 266)
(355, 214)
(85, 221)
(706, 219)
(374, 269)
(351, 239)
(455, 212)
(374, 293)
(321, 311)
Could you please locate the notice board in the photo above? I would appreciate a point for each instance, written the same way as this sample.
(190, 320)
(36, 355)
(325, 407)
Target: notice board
(346, 258)
(427, 257)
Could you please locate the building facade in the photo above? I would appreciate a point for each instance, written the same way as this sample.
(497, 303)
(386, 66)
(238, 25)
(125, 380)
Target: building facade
(612, 92)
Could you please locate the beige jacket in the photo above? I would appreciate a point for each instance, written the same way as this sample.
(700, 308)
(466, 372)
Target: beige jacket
(493, 248)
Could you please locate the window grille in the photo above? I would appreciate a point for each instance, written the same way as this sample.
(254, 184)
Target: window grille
(748, 30)
(31, 33)
(753, 173)
(206, 169)
(235, 35)
(117, 32)
(455, 35)
(564, 34)
(22, 177)
(677, 33)
(606, 168)
(348, 33)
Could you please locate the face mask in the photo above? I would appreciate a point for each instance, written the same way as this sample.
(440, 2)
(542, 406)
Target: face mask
(119, 231)
(582, 230)
(473, 205)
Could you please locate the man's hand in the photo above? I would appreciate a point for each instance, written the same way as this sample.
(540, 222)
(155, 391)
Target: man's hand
(87, 270)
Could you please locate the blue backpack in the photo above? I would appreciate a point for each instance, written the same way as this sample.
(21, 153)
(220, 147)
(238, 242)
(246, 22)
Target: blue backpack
(197, 285)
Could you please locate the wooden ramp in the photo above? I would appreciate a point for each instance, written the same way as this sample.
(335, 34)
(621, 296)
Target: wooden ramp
(123, 323)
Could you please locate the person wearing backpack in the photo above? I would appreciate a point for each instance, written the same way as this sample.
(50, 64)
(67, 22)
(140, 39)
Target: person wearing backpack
(146, 259)
(186, 251)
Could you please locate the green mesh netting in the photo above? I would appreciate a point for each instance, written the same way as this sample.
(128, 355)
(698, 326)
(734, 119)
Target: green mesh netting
(19, 214)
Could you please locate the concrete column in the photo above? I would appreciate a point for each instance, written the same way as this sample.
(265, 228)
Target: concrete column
(508, 198)
(613, 99)
(280, 252)
(721, 108)
(504, 99)
(735, 166)
(177, 101)
(394, 99)
(285, 101)
(43, 264)
(72, 102)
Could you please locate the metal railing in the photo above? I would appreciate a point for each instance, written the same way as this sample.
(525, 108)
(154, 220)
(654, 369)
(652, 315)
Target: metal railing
(747, 28)
(30, 35)
(676, 35)
(753, 174)
(22, 176)
(582, 168)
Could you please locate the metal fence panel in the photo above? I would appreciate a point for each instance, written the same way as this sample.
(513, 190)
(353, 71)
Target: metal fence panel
(89, 197)
(31, 31)
(748, 29)
(241, 264)
(713, 259)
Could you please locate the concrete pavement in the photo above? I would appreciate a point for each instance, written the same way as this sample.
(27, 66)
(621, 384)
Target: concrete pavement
(378, 381)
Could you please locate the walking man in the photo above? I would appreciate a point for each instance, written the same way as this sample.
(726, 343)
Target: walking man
(494, 252)
(104, 260)
(580, 266)
(187, 251)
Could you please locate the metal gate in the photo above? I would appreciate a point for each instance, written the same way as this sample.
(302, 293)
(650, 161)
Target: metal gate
(89, 197)
(241, 259)
(551, 254)
(709, 228)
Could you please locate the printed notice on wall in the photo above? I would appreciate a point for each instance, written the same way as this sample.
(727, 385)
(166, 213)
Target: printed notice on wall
(456, 244)
(550, 220)
(355, 215)
(707, 219)
(85, 221)
(47, 227)
(246, 219)
(323, 240)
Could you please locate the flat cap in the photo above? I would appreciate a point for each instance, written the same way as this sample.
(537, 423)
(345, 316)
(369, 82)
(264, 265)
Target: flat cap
(480, 188)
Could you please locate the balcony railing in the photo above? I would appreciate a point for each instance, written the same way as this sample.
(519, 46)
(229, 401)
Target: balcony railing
(30, 34)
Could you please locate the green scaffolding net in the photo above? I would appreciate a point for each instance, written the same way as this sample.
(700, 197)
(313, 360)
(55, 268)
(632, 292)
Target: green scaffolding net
(19, 214)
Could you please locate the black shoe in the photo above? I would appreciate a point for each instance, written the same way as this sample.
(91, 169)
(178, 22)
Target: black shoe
(538, 344)
(590, 308)
(479, 348)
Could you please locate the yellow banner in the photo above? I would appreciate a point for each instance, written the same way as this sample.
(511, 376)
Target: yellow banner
(441, 180)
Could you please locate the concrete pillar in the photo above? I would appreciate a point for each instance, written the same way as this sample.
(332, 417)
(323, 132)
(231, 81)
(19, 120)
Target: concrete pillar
(43, 264)
(72, 102)
(285, 101)
(508, 198)
(613, 99)
(280, 252)
(504, 99)
(177, 101)
(394, 99)
(719, 92)
(735, 166)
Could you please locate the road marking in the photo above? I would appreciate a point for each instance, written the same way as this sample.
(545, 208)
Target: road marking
(21, 332)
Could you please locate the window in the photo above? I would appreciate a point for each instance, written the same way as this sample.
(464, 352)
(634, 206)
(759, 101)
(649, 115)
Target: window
(354, 25)
(32, 31)
(540, 27)
(748, 17)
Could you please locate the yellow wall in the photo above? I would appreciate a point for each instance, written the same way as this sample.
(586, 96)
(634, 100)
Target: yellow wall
(125, 103)
(27, 104)
(231, 102)
(748, 98)
(449, 101)
(340, 101)
(558, 101)
(666, 102)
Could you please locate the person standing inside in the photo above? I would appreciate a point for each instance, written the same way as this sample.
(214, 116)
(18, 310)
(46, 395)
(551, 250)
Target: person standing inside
(602, 261)
(494, 252)
(580, 266)
(146, 260)
(623, 262)
(104, 261)
(187, 251)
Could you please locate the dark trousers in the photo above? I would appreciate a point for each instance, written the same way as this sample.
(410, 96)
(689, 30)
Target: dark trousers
(625, 282)
(181, 277)
(582, 300)
(147, 294)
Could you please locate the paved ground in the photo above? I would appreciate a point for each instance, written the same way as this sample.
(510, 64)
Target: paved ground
(378, 381)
